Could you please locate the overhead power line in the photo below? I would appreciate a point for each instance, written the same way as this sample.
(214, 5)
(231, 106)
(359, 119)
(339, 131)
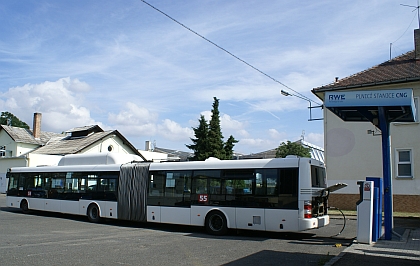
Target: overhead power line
(223, 49)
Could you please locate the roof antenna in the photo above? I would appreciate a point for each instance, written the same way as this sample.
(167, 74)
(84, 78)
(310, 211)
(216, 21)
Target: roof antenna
(390, 50)
(415, 8)
(418, 17)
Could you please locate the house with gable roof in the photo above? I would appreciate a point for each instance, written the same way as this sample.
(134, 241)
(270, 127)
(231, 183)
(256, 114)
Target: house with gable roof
(87, 139)
(353, 149)
(23, 147)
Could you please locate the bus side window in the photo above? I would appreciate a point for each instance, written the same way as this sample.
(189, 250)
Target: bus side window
(156, 184)
(272, 186)
(201, 181)
(92, 182)
(260, 184)
(288, 192)
(200, 185)
(289, 181)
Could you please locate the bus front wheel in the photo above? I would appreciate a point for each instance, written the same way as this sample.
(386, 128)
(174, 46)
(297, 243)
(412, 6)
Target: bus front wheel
(93, 213)
(24, 206)
(216, 223)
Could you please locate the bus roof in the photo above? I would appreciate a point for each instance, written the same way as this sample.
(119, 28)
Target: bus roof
(232, 164)
(69, 164)
(70, 168)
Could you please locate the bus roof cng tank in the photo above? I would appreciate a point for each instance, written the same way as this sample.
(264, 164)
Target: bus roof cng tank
(98, 159)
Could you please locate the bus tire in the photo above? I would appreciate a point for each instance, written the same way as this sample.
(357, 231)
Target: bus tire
(93, 213)
(216, 223)
(24, 206)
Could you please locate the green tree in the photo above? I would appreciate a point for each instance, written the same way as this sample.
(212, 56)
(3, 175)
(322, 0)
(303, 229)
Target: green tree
(208, 141)
(7, 117)
(229, 144)
(200, 143)
(292, 148)
(215, 133)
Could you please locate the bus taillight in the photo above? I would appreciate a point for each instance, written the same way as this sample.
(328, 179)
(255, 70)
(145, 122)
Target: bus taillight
(307, 209)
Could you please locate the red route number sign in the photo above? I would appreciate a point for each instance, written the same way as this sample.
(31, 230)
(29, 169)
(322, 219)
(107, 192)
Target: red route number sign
(203, 198)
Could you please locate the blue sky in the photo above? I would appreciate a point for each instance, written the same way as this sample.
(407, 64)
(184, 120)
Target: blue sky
(125, 66)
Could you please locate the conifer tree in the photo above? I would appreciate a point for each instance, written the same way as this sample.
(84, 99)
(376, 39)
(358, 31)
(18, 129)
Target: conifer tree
(208, 141)
(230, 143)
(201, 140)
(215, 133)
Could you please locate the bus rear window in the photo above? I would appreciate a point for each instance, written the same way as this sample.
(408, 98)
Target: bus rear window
(318, 176)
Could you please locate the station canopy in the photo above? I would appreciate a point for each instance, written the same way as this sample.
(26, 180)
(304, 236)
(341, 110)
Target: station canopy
(363, 106)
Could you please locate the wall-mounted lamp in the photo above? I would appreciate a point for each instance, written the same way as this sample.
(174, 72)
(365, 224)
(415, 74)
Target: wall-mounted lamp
(374, 132)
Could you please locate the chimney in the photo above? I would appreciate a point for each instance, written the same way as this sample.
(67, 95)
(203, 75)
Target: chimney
(148, 146)
(417, 43)
(37, 125)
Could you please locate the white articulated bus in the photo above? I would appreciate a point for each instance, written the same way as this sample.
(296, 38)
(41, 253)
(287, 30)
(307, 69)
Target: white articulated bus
(280, 195)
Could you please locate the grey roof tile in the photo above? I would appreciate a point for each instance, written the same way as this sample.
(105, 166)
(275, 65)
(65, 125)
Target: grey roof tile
(23, 135)
(68, 145)
(404, 68)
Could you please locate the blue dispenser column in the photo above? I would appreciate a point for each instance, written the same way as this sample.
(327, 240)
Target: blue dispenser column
(377, 207)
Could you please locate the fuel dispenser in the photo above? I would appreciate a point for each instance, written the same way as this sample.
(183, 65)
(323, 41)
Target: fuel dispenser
(365, 212)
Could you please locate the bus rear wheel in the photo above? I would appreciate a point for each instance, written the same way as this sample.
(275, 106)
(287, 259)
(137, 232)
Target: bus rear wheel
(216, 223)
(24, 206)
(93, 213)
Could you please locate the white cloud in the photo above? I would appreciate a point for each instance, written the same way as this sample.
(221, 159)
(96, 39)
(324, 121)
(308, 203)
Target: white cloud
(255, 145)
(76, 85)
(241, 133)
(59, 102)
(226, 122)
(58, 122)
(207, 115)
(229, 126)
(131, 115)
(174, 132)
(315, 138)
(134, 120)
(275, 135)
(139, 122)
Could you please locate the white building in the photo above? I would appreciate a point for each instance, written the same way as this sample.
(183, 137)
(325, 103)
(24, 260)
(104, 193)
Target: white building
(23, 147)
(353, 149)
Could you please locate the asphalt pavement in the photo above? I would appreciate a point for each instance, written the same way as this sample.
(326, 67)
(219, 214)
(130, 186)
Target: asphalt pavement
(44, 238)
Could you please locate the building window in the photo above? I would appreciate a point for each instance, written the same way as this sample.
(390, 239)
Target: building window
(404, 164)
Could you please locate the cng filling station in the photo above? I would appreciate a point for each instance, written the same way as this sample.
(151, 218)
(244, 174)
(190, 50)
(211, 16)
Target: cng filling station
(380, 107)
